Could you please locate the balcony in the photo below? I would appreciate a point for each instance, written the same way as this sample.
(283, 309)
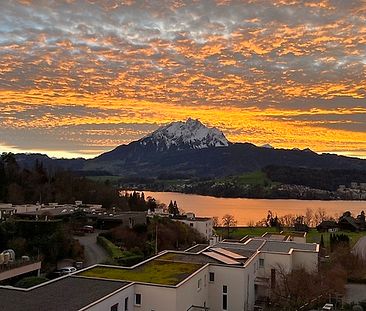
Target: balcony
(16, 268)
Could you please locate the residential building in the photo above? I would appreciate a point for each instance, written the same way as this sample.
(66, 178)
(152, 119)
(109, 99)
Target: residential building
(225, 276)
(203, 225)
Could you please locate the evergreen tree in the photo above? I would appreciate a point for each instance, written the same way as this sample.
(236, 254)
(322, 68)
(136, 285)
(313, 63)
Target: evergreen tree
(322, 241)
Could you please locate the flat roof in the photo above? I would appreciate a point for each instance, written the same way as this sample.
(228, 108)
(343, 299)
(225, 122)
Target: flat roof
(70, 293)
(197, 248)
(286, 246)
(161, 270)
(266, 245)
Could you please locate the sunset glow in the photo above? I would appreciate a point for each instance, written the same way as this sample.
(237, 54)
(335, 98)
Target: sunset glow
(78, 78)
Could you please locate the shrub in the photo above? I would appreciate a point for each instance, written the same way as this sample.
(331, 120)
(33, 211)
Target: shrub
(30, 281)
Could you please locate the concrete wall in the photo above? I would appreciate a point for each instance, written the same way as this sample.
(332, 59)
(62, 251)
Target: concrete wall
(157, 298)
(307, 260)
(204, 227)
(236, 281)
(189, 293)
(275, 261)
(119, 297)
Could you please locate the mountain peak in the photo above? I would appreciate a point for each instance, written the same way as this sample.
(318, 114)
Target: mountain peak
(180, 135)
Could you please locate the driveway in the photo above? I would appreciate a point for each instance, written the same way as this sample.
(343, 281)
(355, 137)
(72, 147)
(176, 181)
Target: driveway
(360, 248)
(93, 252)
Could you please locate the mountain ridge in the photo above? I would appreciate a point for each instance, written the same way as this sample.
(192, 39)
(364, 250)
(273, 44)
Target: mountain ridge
(191, 149)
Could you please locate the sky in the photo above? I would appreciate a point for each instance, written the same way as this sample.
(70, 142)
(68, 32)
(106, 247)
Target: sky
(79, 77)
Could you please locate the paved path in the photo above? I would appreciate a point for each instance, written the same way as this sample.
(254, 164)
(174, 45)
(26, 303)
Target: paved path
(93, 252)
(360, 248)
(355, 292)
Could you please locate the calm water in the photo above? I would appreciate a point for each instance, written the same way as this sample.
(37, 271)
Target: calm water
(246, 210)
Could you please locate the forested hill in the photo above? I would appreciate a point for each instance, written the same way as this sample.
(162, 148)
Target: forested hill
(30, 185)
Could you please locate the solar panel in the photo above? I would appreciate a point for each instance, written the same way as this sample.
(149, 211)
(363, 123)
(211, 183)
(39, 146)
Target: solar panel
(228, 253)
(221, 258)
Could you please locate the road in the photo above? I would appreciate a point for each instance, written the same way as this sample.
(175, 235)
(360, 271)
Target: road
(360, 248)
(93, 252)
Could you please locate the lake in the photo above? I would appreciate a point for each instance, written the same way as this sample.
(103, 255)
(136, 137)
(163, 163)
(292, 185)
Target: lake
(252, 210)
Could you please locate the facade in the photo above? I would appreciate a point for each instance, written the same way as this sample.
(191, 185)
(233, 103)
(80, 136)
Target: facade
(203, 225)
(225, 276)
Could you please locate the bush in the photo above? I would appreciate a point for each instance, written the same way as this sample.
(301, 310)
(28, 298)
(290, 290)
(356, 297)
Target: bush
(30, 281)
(112, 250)
(130, 260)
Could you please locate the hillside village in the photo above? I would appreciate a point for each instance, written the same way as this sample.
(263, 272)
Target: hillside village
(213, 269)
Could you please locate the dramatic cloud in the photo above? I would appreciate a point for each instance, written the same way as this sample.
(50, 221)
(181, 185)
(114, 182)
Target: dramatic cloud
(84, 76)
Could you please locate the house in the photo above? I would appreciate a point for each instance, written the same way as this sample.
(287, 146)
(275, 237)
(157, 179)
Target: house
(127, 219)
(203, 225)
(225, 276)
(327, 226)
(347, 222)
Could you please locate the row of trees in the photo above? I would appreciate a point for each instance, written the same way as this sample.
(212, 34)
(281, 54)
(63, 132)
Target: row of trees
(311, 219)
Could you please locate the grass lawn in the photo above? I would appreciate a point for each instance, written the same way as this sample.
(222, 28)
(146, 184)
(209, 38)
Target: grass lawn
(314, 236)
(156, 271)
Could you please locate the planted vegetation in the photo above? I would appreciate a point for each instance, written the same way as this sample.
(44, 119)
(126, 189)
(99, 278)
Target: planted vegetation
(156, 271)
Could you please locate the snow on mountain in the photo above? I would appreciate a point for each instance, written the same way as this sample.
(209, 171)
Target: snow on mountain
(191, 134)
(268, 146)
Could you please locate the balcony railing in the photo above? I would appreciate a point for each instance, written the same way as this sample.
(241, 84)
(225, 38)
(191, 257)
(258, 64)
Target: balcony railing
(16, 264)
(198, 308)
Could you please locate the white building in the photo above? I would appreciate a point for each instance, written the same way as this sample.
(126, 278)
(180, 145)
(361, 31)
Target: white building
(203, 225)
(226, 276)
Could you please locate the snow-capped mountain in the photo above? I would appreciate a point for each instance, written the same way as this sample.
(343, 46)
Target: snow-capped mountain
(268, 146)
(180, 135)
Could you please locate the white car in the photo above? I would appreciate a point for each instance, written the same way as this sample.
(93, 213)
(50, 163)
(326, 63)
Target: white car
(67, 270)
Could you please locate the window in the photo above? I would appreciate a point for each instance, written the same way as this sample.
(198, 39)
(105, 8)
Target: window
(199, 284)
(138, 299)
(273, 278)
(212, 277)
(191, 224)
(205, 280)
(224, 297)
(261, 262)
(126, 304)
(114, 307)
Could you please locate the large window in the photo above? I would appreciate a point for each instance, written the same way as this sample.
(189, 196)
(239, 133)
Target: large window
(138, 299)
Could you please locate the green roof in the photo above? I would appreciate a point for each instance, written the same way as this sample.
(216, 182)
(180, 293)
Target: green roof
(156, 271)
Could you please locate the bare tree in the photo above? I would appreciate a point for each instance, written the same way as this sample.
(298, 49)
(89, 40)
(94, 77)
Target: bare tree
(228, 221)
(309, 217)
(291, 292)
(320, 215)
(215, 221)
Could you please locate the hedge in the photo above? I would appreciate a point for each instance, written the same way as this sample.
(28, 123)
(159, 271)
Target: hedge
(112, 250)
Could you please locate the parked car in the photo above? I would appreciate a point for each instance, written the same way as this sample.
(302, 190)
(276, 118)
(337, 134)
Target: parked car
(66, 270)
(88, 229)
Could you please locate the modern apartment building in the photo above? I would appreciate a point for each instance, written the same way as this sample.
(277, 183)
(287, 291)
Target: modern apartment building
(227, 276)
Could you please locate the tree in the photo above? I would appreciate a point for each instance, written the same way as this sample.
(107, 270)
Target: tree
(309, 215)
(228, 221)
(215, 221)
(173, 208)
(322, 241)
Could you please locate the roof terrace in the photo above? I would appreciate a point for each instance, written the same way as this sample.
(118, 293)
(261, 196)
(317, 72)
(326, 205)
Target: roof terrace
(163, 270)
